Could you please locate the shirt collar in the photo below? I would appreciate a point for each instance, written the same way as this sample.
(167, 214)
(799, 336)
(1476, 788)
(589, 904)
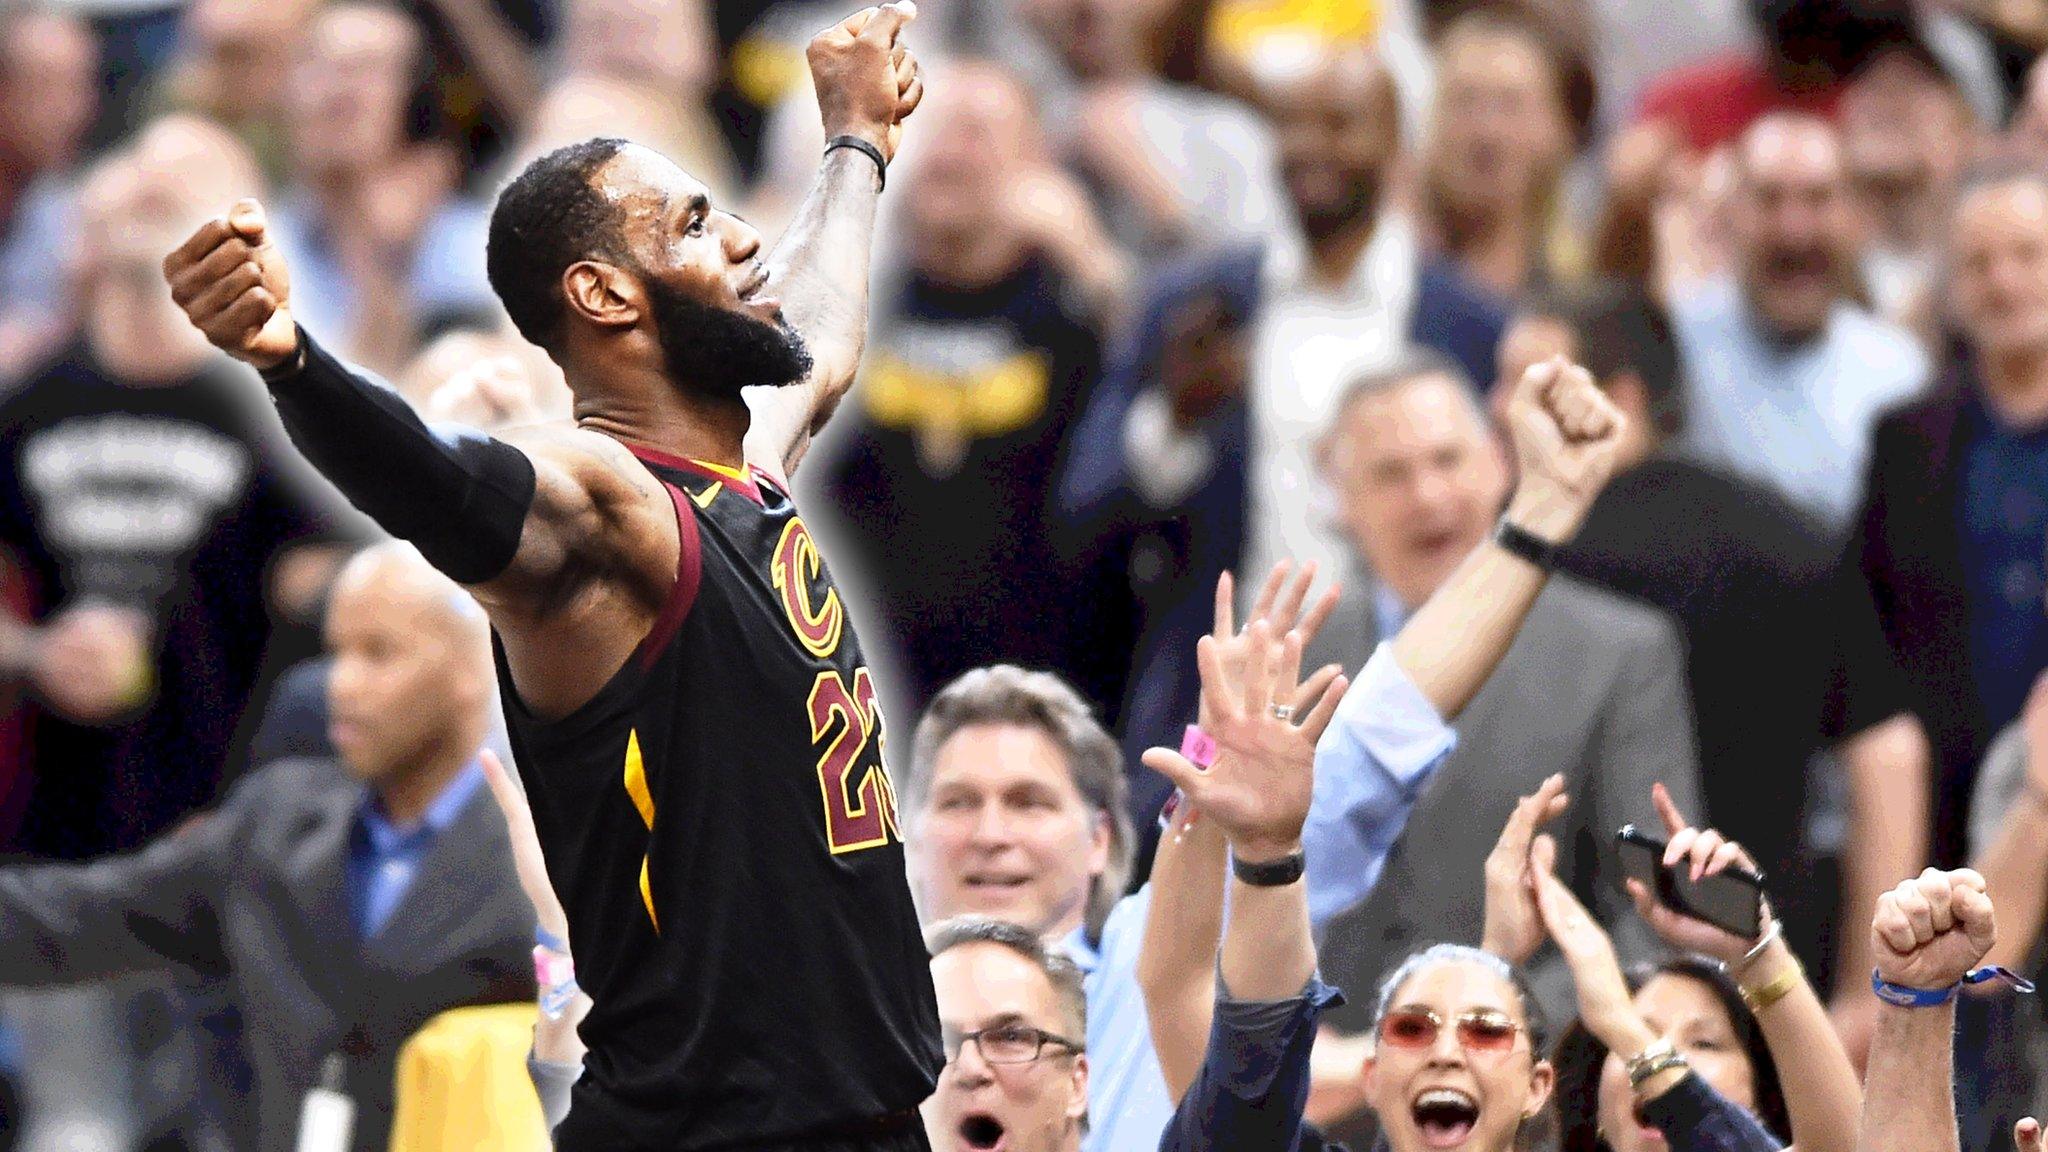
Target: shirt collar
(454, 796)
(1080, 950)
(1388, 611)
(1390, 260)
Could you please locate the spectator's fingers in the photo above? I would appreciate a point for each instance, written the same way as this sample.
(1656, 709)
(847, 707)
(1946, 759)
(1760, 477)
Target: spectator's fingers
(1258, 669)
(1326, 707)
(1319, 615)
(1969, 878)
(888, 20)
(241, 321)
(1269, 592)
(1287, 609)
(1704, 846)
(1935, 888)
(2026, 1135)
(1681, 843)
(1218, 695)
(505, 790)
(1912, 904)
(1973, 914)
(1728, 853)
(1667, 808)
(1288, 674)
(1226, 618)
(1175, 767)
(1311, 690)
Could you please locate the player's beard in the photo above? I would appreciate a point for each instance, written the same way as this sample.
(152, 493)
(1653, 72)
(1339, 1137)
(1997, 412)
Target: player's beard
(715, 352)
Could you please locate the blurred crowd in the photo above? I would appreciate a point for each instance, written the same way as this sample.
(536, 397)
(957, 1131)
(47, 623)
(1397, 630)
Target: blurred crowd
(1166, 289)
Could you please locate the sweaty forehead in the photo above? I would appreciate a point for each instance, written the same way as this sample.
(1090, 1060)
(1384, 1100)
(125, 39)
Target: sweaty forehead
(645, 185)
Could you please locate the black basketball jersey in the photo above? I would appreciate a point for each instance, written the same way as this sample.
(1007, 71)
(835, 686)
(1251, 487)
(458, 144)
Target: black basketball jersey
(721, 828)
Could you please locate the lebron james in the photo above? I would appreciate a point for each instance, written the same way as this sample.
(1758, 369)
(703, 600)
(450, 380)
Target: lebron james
(689, 705)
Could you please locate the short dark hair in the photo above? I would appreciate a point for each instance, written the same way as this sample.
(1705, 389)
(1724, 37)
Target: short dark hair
(550, 216)
(1064, 974)
(1620, 328)
(1580, 1056)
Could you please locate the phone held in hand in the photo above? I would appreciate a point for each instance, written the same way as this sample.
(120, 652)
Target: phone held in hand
(1731, 900)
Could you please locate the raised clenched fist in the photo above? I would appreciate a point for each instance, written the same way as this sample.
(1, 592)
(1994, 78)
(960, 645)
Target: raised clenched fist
(1930, 931)
(867, 83)
(1567, 435)
(231, 281)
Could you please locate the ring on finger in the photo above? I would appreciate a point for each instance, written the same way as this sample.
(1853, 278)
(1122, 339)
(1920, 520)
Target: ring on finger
(1282, 711)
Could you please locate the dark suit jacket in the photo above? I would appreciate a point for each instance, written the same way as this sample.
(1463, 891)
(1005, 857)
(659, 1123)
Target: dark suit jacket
(1167, 559)
(257, 894)
(1906, 544)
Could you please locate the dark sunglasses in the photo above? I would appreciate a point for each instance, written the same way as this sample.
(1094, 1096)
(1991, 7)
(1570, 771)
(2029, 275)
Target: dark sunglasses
(1487, 1030)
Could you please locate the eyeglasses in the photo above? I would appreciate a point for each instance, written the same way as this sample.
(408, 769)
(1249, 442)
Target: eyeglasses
(1006, 1043)
(1480, 1030)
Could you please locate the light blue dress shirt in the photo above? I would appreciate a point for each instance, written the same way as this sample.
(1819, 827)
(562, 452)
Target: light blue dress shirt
(1379, 751)
(1372, 764)
(384, 859)
(1795, 416)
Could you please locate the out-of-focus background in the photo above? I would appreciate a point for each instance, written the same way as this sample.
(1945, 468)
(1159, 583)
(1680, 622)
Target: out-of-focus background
(1132, 253)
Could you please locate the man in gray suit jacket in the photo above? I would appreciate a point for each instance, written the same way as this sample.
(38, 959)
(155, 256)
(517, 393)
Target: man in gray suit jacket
(1593, 687)
(345, 904)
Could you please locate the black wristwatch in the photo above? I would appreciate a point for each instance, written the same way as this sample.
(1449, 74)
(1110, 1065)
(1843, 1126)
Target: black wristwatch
(1272, 873)
(1519, 541)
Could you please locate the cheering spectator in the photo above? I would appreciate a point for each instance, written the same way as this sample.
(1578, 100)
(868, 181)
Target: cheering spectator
(1749, 579)
(1908, 134)
(48, 70)
(1788, 373)
(234, 66)
(144, 499)
(346, 904)
(1419, 482)
(1810, 47)
(1928, 935)
(1512, 106)
(974, 367)
(1196, 451)
(380, 250)
(1721, 1048)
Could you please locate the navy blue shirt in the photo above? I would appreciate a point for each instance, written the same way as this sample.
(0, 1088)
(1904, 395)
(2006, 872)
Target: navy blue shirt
(2005, 560)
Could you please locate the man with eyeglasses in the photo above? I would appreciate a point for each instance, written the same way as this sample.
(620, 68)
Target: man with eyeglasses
(1012, 1015)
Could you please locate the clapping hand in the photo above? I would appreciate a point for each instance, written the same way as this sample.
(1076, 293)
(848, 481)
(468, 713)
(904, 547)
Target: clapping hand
(1514, 926)
(1930, 931)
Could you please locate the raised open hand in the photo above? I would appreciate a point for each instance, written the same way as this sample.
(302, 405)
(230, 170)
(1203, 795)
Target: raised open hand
(1514, 926)
(1259, 785)
(1604, 1001)
(1704, 852)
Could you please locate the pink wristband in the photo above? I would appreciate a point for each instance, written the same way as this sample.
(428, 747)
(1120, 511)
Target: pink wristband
(1198, 747)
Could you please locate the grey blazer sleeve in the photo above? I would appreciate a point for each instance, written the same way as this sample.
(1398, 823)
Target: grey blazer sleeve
(1645, 737)
(66, 923)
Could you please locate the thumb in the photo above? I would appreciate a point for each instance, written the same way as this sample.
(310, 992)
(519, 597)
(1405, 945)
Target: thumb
(889, 20)
(1177, 768)
(1543, 855)
(2027, 1134)
(246, 218)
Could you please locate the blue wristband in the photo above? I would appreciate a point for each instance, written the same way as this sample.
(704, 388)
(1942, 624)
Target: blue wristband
(549, 940)
(1904, 997)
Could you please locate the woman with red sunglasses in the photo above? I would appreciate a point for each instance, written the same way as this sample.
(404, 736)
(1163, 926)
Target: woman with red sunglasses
(1724, 1049)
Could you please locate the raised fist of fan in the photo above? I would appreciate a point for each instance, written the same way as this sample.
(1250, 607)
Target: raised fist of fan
(1566, 435)
(1930, 931)
(231, 281)
(1258, 788)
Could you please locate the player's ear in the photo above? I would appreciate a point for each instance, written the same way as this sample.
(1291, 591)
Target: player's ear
(604, 294)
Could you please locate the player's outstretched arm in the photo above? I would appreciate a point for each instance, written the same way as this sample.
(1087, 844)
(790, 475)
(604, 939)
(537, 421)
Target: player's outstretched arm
(867, 84)
(506, 520)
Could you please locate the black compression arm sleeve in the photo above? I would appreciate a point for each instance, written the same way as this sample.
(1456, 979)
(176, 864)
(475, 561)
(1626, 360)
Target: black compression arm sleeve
(458, 495)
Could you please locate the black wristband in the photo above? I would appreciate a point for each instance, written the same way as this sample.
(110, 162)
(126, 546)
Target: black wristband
(873, 153)
(293, 364)
(1521, 542)
(1271, 874)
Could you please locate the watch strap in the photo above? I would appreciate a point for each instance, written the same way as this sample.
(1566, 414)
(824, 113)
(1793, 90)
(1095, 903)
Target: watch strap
(1519, 541)
(1272, 873)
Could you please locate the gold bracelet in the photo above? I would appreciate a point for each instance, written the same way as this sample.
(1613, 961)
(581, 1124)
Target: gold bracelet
(1759, 999)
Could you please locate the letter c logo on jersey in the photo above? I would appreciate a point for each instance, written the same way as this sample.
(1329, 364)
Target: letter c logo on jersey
(796, 565)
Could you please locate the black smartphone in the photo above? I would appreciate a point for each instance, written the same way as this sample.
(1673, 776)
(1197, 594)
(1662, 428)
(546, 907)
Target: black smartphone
(1731, 899)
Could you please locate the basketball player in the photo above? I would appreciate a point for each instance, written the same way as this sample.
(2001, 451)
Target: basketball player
(688, 702)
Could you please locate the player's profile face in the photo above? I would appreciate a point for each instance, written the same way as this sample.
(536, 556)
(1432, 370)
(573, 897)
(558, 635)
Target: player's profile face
(981, 1106)
(1005, 832)
(709, 297)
